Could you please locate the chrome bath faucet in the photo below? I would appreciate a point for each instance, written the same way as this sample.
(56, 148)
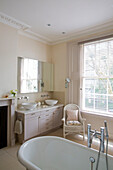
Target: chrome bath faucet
(96, 134)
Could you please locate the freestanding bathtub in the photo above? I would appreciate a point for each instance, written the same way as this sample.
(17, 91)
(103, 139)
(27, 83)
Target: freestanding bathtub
(55, 153)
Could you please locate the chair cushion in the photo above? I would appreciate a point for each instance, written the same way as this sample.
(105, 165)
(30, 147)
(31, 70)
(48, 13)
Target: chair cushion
(72, 115)
(73, 123)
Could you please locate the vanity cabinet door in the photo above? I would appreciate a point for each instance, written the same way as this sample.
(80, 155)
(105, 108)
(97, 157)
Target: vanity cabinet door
(58, 113)
(49, 121)
(31, 128)
(46, 121)
(42, 124)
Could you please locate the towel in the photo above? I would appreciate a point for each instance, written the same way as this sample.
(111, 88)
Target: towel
(18, 127)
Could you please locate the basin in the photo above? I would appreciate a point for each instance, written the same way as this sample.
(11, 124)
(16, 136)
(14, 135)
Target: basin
(51, 102)
(29, 106)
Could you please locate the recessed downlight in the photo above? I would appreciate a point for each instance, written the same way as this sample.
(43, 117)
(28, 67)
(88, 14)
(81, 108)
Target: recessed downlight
(48, 25)
(63, 32)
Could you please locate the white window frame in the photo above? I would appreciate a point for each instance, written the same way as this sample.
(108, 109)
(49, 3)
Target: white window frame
(82, 77)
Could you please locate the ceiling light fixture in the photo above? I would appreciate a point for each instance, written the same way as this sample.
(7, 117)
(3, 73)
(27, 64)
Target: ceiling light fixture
(48, 25)
(63, 32)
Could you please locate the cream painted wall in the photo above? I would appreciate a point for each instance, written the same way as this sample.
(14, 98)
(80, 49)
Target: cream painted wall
(13, 45)
(30, 48)
(59, 54)
(8, 60)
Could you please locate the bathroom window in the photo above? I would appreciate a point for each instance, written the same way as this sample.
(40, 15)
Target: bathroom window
(97, 76)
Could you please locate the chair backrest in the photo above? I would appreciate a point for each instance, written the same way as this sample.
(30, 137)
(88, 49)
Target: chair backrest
(73, 107)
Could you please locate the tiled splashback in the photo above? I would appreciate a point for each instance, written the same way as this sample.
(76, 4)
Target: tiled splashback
(60, 96)
(36, 97)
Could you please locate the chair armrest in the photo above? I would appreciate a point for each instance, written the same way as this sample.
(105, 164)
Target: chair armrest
(83, 119)
(63, 119)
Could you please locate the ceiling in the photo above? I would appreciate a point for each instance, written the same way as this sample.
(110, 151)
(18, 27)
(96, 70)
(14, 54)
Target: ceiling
(68, 16)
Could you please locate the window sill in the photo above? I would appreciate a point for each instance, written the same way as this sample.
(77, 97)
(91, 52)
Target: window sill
(108, 115)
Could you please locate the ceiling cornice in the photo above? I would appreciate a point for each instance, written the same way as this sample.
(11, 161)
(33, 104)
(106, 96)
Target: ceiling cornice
(87, 31)
(24, 29)
(33, 36)
(5, 19)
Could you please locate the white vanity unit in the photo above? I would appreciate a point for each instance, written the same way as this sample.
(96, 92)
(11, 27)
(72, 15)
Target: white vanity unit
(39, 121)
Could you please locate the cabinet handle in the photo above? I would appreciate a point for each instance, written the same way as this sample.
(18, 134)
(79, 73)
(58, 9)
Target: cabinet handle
(33, 114)
(39, 117)
(47, 110)
(47, 115)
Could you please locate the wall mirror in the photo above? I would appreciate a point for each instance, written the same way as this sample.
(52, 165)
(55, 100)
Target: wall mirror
(34, 76)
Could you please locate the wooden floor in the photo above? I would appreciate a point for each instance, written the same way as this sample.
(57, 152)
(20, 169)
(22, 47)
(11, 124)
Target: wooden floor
(79, 139)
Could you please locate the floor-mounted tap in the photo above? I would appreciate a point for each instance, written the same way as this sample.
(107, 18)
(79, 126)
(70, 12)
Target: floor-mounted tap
(100, 135)
(96, 134)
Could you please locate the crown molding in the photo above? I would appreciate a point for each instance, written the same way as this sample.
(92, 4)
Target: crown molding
(5, 19)
(33, 36)
(106, 26)
(24, 29)
(39, 37)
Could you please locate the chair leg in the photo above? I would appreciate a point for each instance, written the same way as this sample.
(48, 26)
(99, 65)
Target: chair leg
(83, 134)
(64, 133)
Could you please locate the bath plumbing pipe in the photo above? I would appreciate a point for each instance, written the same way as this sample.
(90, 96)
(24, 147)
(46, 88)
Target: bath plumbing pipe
(107, 137)
(91, 134)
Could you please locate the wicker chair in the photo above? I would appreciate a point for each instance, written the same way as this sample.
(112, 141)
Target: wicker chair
(69, 129)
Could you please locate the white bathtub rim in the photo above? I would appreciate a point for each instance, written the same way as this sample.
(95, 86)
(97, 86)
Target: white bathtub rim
(32, 166)
(29, 165)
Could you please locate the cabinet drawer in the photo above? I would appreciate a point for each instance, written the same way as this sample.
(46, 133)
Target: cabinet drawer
(32, 115)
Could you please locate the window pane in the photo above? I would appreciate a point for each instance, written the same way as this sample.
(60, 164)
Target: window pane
(29, 86)
(100, 103)
(32, 85)
(111, 68)
(89, 57)
(101, 86)
(110, 103)
(89, 85)
(30, 69)
(110, 86)
(111, 50)
(89, 101)
(101, 59)
(89, 68)
(103, 68)
(89, 52)
(103, 50)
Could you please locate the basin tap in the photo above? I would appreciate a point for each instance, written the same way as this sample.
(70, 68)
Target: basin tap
(26, 97)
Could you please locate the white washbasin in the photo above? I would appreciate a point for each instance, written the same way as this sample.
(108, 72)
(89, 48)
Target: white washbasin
(29, 106)
(51, 102)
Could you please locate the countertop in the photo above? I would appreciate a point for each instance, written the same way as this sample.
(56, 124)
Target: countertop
(38, 108)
